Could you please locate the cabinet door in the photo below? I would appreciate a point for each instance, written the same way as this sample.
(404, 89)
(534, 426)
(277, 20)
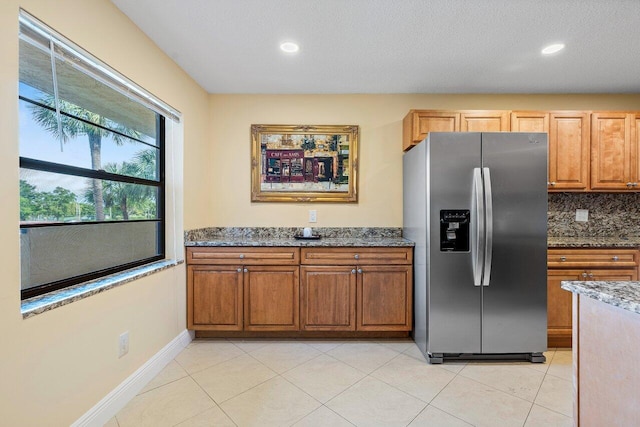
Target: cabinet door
(529, 121)
(328, 298)
(484, 121)
(569, 150)
(611, 152)
(214, 298)
(559, 307)
(271, 298)
(417, 125)
(384, 298)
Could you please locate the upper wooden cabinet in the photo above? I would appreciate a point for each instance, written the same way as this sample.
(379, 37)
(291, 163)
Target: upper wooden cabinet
(568, 150)
(418, 123)
(614, 151)
(484, 121)
(568, 145)
(588, 151)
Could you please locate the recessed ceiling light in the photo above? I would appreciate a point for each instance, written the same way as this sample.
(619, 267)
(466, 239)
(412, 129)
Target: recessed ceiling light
(553, 48)
(289, 47)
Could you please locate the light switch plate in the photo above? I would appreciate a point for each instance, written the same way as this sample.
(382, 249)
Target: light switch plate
(313, 215)
(582, 215)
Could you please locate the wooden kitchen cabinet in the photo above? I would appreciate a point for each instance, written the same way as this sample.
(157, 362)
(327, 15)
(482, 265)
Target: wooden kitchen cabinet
(243, 288)
(485, 121)
(383, 297)
(418, 123)
(613, 151)
(215, 297)
(271, 298)
(568, 145)
(328, 298)
(583, 265)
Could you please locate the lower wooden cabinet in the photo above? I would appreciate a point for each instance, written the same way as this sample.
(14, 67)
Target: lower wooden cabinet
(330, 290)
(215, 297)
(271, 298)
(328, 298)
(372, 292)
(582, 265)
(384, 298)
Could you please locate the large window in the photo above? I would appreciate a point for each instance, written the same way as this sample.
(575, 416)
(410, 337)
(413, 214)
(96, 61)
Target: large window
(91, 166)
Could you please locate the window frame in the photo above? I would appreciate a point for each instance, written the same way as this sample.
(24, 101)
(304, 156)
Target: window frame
(53, 167)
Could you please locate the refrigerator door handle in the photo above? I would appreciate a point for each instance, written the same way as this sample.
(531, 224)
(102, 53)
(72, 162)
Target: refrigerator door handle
(488, 240)
(478, 245)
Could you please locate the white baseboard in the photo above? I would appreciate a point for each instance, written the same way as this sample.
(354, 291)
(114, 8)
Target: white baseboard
(117, 399)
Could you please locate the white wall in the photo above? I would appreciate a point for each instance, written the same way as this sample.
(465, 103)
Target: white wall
(59, 364)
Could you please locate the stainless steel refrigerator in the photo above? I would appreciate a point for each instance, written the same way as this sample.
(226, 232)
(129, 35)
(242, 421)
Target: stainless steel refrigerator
(475, 204)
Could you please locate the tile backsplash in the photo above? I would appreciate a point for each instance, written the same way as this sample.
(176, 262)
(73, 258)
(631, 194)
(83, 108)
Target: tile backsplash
(610, 214)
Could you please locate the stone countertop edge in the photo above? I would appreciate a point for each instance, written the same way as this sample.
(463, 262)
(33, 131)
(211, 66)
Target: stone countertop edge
(284, 236)
(625, 295)
(322, 242)
(631, 242)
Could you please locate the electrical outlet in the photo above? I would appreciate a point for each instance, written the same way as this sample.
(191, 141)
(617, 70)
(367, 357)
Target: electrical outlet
(123, 344)
(313, 215)
(582, 215)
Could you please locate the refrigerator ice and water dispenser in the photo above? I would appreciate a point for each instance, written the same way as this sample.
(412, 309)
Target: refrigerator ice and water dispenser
(454, 230)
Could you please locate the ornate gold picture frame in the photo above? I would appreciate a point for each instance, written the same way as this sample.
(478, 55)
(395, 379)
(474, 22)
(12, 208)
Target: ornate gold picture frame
(301, 163)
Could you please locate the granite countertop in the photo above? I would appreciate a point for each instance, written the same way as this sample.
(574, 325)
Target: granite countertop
(594, 242)
(625, 295)
(284, 236)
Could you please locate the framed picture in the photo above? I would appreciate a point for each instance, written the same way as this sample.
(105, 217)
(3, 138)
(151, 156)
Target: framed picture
(294, 163)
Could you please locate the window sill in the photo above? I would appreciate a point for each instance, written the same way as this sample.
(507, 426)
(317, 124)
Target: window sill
(36, 305)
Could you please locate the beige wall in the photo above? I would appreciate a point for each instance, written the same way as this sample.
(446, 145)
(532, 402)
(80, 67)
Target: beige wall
(59, 364)
(380, 174)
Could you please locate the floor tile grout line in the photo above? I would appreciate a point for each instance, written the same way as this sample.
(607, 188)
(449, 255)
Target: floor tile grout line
(555, 411)
(510, 394)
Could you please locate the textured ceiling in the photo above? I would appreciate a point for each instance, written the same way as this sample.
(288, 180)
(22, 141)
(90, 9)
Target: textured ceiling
(398, 46)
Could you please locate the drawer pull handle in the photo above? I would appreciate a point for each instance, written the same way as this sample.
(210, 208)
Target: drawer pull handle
(563, 258)
(552, 183)
(360, 270)
(629, 184)
(246, 270)
(584, 274)
(356, 256)
(241, 256)
(615, 258)
(353, 271)
(239, 270)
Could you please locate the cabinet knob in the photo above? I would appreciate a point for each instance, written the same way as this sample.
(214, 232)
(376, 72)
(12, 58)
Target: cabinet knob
(359, 270)
(246, 270)
(563, 258)
(591, 275)
(239, 270)
(584, 274)
(241, 256)
(615, 258)
(635, 184)
(629, 184)
(353, 271)
(551, 183)
(356, 256)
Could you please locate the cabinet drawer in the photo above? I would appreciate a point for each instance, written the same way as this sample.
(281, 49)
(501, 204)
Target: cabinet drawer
(588, 258)
(356, 256)
(243, 255)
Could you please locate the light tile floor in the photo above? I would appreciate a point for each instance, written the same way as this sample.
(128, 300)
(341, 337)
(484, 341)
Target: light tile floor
(233, 382)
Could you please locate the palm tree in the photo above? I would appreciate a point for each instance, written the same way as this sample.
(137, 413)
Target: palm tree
(71, 127)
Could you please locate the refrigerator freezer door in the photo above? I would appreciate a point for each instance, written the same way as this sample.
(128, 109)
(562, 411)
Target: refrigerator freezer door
(514, 318)
(453, 311)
